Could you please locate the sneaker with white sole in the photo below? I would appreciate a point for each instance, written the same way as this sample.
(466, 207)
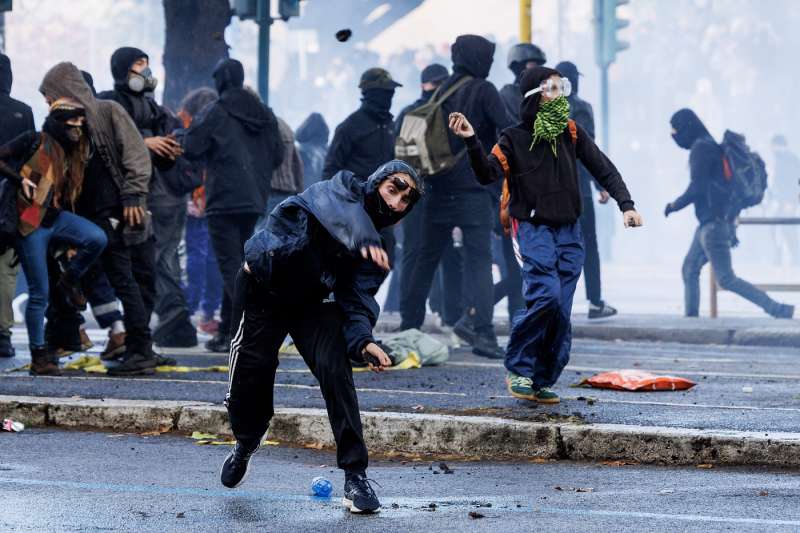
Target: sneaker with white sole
(237, 464)
(359, 497)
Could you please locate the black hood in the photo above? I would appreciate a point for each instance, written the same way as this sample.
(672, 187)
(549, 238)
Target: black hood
(377, 209)
(6, 78)
(245, 107)
(313, 130)
(121, 61)
(228, 74)
(473, 55)
(531, 79)
(689, 128)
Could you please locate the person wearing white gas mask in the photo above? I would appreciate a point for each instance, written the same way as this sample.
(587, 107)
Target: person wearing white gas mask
(160, 276)
(541, 205)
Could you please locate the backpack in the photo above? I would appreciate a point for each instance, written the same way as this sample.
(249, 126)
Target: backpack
(9, 217)
(744, 173)
(424, 141)
(505, 197)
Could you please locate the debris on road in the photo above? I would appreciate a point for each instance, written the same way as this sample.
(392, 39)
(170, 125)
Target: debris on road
(747, 390)
(13, 426)
(763, 493)
(446, 469)
(476, 515)
(636, 380)
(205, 439)
(705, 465)
(321, 487)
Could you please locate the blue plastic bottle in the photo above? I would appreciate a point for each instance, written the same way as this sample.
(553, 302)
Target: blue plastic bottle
(321, 487)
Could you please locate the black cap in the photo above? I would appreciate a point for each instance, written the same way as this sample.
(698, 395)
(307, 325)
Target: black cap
(434, 73)
(377, 78)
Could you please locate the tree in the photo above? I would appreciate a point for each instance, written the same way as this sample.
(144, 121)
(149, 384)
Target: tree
(195, 42)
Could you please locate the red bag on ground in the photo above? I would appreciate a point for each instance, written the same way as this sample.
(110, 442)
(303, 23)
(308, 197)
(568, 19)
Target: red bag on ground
(636, 380)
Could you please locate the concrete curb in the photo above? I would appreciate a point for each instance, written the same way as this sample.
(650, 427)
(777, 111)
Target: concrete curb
(428, 434)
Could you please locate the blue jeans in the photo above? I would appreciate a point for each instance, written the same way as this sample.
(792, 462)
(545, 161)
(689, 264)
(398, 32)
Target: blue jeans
(712, 242)
(541, 334)
(69, 228)
(204, 287)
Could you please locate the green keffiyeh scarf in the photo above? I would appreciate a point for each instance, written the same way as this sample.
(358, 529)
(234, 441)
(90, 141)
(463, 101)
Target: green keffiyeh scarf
(551, 119)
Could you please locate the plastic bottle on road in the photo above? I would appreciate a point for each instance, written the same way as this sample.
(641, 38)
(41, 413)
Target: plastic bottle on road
(321, 487)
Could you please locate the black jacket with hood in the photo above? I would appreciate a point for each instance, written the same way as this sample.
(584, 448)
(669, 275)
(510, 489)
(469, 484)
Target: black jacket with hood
(312, 145)
(454, 193)
(544, 188)
(310, 248)
(15, 117)
(240, 142)
(705, 167)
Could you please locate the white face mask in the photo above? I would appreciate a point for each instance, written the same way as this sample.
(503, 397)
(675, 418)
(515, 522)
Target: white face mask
(552, 88)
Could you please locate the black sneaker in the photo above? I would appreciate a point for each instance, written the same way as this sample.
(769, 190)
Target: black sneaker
(487, 347)
(784, 311)
(601, 311)
(184, 336)
(465, 329)
(358, 494)
(219, 344)
(234, 469)
(6, 348)
(133, 365)
(163, 360)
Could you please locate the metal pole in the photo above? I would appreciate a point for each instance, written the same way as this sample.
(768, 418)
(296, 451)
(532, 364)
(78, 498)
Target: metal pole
(264, 20)
(525, 21)
(712, 278)
(2, 32)
(604, 105)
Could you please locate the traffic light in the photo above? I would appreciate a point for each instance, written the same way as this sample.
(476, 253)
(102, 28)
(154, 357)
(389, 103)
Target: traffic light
(5, 5)
(607, 23)
(288, 8)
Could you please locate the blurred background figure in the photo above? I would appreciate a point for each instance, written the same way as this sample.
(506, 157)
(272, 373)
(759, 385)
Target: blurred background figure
(784, 194)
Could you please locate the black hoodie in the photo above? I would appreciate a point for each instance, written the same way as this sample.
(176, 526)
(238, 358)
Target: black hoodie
(705, 167)
(544, 188)
(312, 141)
(240, 141)
(15, 117)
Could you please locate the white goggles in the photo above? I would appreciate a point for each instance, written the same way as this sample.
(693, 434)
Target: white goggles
(552, 88)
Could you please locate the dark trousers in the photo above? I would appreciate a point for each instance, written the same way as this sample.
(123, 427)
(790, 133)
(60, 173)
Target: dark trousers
(264, 320)
(712, 242)
(477, 267)
(170, 303)
(204, 282)
(591, 267)
(541, 336)
(228, 233)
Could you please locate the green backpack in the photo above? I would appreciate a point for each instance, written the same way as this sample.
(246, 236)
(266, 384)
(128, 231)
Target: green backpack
(423, 141)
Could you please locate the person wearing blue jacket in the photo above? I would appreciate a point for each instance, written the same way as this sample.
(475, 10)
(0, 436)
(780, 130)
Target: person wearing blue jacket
(323, 241)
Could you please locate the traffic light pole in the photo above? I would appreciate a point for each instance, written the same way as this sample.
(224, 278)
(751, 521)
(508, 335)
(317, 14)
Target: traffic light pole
(2, 32)
(604, 105)
(264, 20)
(525, 33)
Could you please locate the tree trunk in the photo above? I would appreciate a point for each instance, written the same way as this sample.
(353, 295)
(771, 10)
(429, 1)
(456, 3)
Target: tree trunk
(195, 41)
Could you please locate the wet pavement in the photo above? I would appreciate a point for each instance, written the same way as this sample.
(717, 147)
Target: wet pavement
(471, 385)
(72, 481)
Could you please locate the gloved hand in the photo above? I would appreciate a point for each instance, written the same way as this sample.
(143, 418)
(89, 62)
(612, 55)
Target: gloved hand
(669, 209)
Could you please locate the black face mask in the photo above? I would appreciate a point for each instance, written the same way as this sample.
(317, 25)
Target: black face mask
(378, 102)
(684, 139)
(67, 136)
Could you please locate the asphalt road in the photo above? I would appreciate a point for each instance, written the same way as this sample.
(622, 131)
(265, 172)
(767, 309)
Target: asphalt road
(71, 481)
(472, 385)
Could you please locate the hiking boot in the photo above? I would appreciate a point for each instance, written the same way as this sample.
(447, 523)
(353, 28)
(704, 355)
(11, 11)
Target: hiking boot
(601, 311)
(487, 347)
(520, 386)
(465, 329)
(358, 494)
(181, 337)
(219, 344)
(43, 363)
(72, 292)
(236, 465)
(784, 311)
(6, 348)
(210, 326)
(134, 364)
(545, 395)
(115, 346)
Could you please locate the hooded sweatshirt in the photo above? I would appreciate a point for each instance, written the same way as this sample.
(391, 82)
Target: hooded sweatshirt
(310, 248)
(705, 168)
(16, 118)
(544, 188)
(241, 144)
(312, 140)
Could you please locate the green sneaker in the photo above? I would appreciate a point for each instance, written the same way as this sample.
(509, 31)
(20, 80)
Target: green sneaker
(520, 386)
(545, 395)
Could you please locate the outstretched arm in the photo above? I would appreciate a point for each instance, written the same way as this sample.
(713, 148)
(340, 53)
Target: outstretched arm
(488, 169)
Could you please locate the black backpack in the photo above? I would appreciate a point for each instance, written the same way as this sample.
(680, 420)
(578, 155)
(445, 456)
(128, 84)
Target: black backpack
(744, 173)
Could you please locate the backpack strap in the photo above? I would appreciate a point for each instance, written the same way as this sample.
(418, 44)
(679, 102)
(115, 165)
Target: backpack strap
(501, 157)
(450, 90)
(573, 131)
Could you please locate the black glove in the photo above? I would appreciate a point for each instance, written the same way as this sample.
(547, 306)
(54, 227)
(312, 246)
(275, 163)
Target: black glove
(669, 209)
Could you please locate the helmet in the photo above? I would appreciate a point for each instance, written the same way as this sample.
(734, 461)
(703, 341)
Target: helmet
(524, 52)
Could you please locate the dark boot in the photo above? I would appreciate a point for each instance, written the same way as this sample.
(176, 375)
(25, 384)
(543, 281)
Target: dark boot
(6, 348)
(43, 363)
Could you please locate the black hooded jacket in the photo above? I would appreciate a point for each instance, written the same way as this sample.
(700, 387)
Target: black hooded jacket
(480, 102)
(544, 188)
(362, 142)
(310, 248)
(312, 145)
(240, 141)
(16, 118)
(705, 167)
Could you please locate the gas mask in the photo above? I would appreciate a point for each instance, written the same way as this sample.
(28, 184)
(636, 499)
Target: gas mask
(552, 88)
(143, 81)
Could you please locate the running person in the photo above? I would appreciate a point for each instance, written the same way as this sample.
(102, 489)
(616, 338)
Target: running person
(538, 160)
(325, 240)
